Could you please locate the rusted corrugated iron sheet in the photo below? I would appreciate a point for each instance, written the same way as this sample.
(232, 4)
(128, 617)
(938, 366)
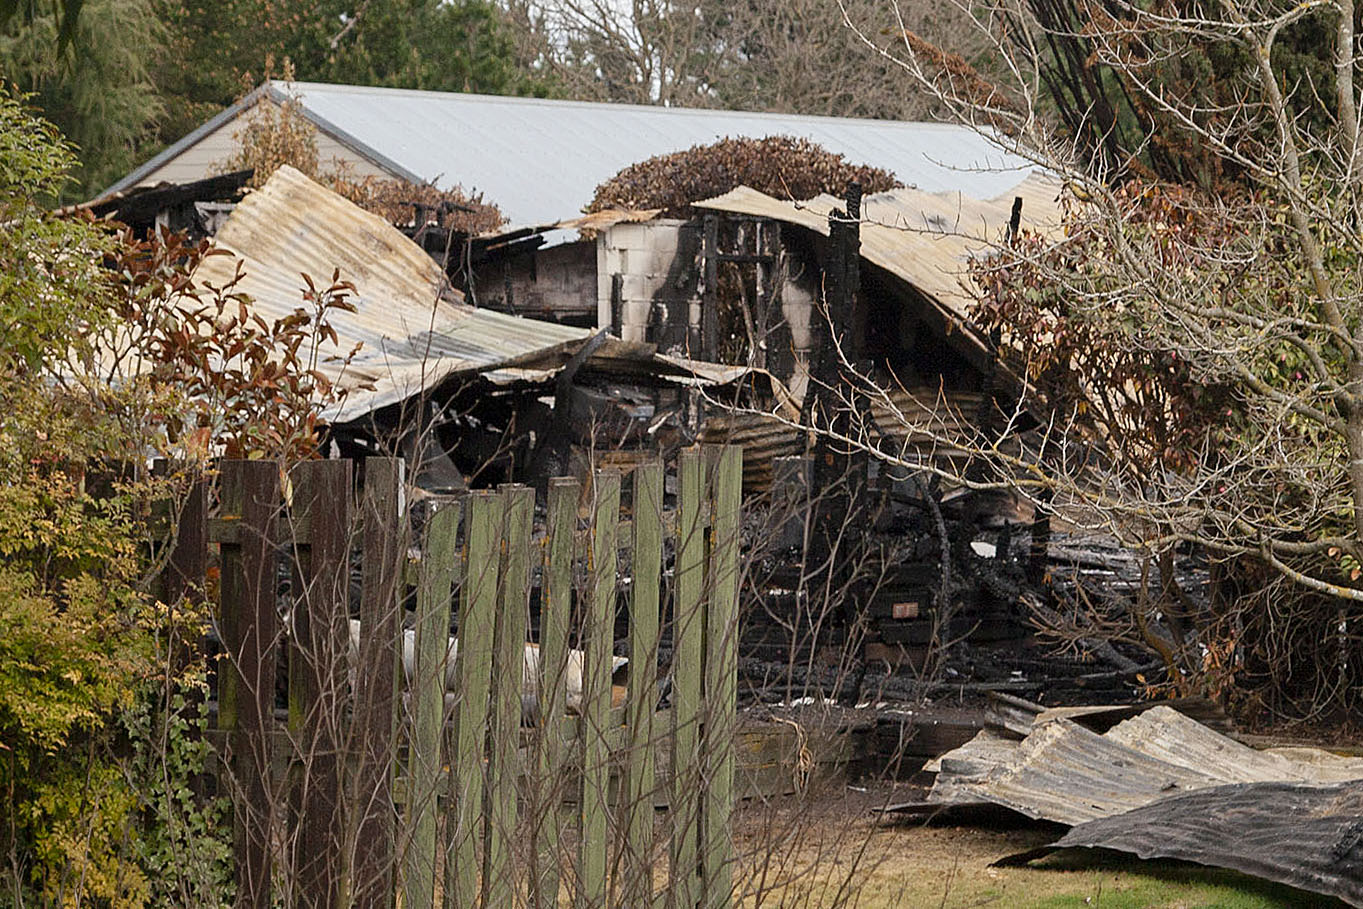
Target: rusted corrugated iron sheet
(915, 423)
(1162, 785)
(1066, 773)
(926, 239)
(1310, 837)
(1063, 772)
(597, 220)
(763, 438)
(414, 331)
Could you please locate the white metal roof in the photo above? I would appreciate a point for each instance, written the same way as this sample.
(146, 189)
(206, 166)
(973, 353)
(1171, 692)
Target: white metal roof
(540, 160)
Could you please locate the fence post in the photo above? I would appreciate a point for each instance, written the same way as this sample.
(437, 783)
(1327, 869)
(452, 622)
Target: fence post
(184, 572)
(556, 603)
(439, 557)
(687, 643)
(187, 563)
(250, 631)
(508, 674)
(643, 687)
(596, 689)
(377, 685)
(473, 676)
(721, 680)
(321, 642)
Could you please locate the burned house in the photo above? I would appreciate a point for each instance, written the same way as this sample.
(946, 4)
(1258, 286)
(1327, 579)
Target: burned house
(620, 335)
(749, 283)
(742, 283)
(740, 288)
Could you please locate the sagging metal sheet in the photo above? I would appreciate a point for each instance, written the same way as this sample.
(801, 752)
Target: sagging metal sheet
(414, 331)
(1306, 836)
(1066, 773)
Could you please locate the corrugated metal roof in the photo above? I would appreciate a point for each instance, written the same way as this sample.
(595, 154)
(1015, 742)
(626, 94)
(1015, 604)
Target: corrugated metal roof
(924, 238)
(541, 160)
(413, 333)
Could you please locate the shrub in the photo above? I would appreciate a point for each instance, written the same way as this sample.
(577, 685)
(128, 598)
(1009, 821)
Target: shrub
(780, 166)
(95, 809)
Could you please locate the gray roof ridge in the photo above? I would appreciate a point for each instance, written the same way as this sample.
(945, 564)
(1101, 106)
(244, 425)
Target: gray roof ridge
(340, 135)
(301, 87)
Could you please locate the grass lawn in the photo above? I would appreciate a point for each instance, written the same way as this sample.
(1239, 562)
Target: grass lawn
(833, 852)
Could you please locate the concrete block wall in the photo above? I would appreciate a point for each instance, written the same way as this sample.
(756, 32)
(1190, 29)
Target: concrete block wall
(643, 254)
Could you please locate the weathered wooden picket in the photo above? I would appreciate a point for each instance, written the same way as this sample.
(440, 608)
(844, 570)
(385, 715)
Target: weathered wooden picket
(421, 786)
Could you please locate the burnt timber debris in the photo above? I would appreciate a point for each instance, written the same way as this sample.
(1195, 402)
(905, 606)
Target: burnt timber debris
(198, 208)
(619, 336)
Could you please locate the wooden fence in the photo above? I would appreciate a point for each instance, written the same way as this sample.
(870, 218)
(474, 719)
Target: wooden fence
(475, 783)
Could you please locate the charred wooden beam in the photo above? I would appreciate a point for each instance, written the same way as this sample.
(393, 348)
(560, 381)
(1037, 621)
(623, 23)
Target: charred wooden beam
(709, 310)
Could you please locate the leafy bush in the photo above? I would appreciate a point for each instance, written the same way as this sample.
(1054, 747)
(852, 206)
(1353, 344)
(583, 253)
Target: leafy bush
(780, 166)
(96, 746)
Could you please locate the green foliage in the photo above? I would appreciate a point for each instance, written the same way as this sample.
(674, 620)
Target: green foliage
(139, 74)
(100, 93)
(72, 623)
(184, 841)
(83, 646)
(464, 46)
(67, 12)
(220, 48)
(47, 265)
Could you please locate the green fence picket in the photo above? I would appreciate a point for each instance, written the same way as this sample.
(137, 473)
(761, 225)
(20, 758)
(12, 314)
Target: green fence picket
(596, 690)
(688, 629)
(508, 672)
(439, 559)
(721, 681)
(473, 680)
(556, 603)
(637, 868)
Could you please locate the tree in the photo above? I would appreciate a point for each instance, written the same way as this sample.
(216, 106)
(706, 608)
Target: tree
(132, 76)
(798, 57)
(1198, 353)
(95, 808)
(99, 91)
(65, 12)
(805, 56)
(467, 45)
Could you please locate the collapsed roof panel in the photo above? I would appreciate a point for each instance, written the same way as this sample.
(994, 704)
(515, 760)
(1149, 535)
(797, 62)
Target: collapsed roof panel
(413, 330)
(1160, 784)
(1064, 772)
(1310, 837)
